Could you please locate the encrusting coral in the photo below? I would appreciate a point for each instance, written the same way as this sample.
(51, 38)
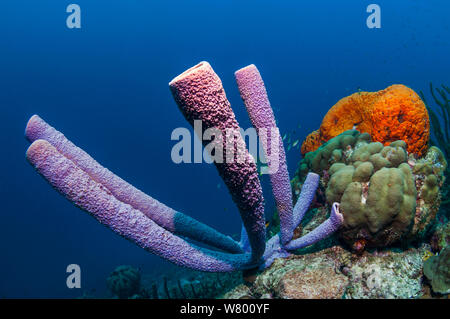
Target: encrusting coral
(395, 113)
(165, 232)
(385, 193)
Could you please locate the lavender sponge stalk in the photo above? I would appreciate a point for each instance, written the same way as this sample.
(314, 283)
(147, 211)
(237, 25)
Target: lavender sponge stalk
(254, 95)
(309, 188)
(322, 231)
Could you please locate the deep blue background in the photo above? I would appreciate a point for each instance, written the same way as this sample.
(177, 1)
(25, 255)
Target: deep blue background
(106, 88)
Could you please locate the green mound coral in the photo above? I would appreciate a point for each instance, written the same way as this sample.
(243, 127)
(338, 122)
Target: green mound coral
(124, 282)
(385, 193)
(437, 270)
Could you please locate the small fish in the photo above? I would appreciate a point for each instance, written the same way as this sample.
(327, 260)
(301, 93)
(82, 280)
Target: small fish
(295, 143)
(427, 255)
(267, 224)
(284, 136)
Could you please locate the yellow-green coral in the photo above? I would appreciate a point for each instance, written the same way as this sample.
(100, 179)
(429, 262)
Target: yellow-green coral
(384, 212)
(385, 193)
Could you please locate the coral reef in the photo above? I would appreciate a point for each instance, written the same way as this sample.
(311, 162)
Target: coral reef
(386, 275)
(166, 232)
(195, 285)
(127, 282)
(124, 282)
(395, 113)
(370, 193)
(336, 273)
(385, 193)
(437, 270)
(308, 276)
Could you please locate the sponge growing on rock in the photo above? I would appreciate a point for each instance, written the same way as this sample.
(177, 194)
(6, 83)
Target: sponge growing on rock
(395, 113)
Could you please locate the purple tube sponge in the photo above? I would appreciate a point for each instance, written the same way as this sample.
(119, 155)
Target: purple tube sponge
(200, 96)
(320, 232)
(80, 188)
(275, 250)
(158, 228)
(305, 198)
(163, 215)
(254, 95)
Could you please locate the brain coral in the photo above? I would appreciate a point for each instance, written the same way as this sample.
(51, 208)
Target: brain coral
(395, 113)
(385, 193)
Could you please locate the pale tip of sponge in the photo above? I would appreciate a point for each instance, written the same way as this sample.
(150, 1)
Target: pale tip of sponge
(337, 214)
(246, 69)
(32, 127)
(191, 72)
(36, 149)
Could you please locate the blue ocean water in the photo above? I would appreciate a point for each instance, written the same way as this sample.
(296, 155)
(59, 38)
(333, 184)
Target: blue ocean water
(105, 86)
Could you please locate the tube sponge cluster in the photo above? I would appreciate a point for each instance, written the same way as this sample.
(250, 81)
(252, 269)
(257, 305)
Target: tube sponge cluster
(165, 232)
(395, 113)
(200, 96)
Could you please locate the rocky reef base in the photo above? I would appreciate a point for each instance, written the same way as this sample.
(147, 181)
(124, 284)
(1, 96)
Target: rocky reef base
(336, 273)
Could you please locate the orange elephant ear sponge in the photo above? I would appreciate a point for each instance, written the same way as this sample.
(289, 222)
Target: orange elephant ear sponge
(395, 113)
(400, 114)
(311, 143)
